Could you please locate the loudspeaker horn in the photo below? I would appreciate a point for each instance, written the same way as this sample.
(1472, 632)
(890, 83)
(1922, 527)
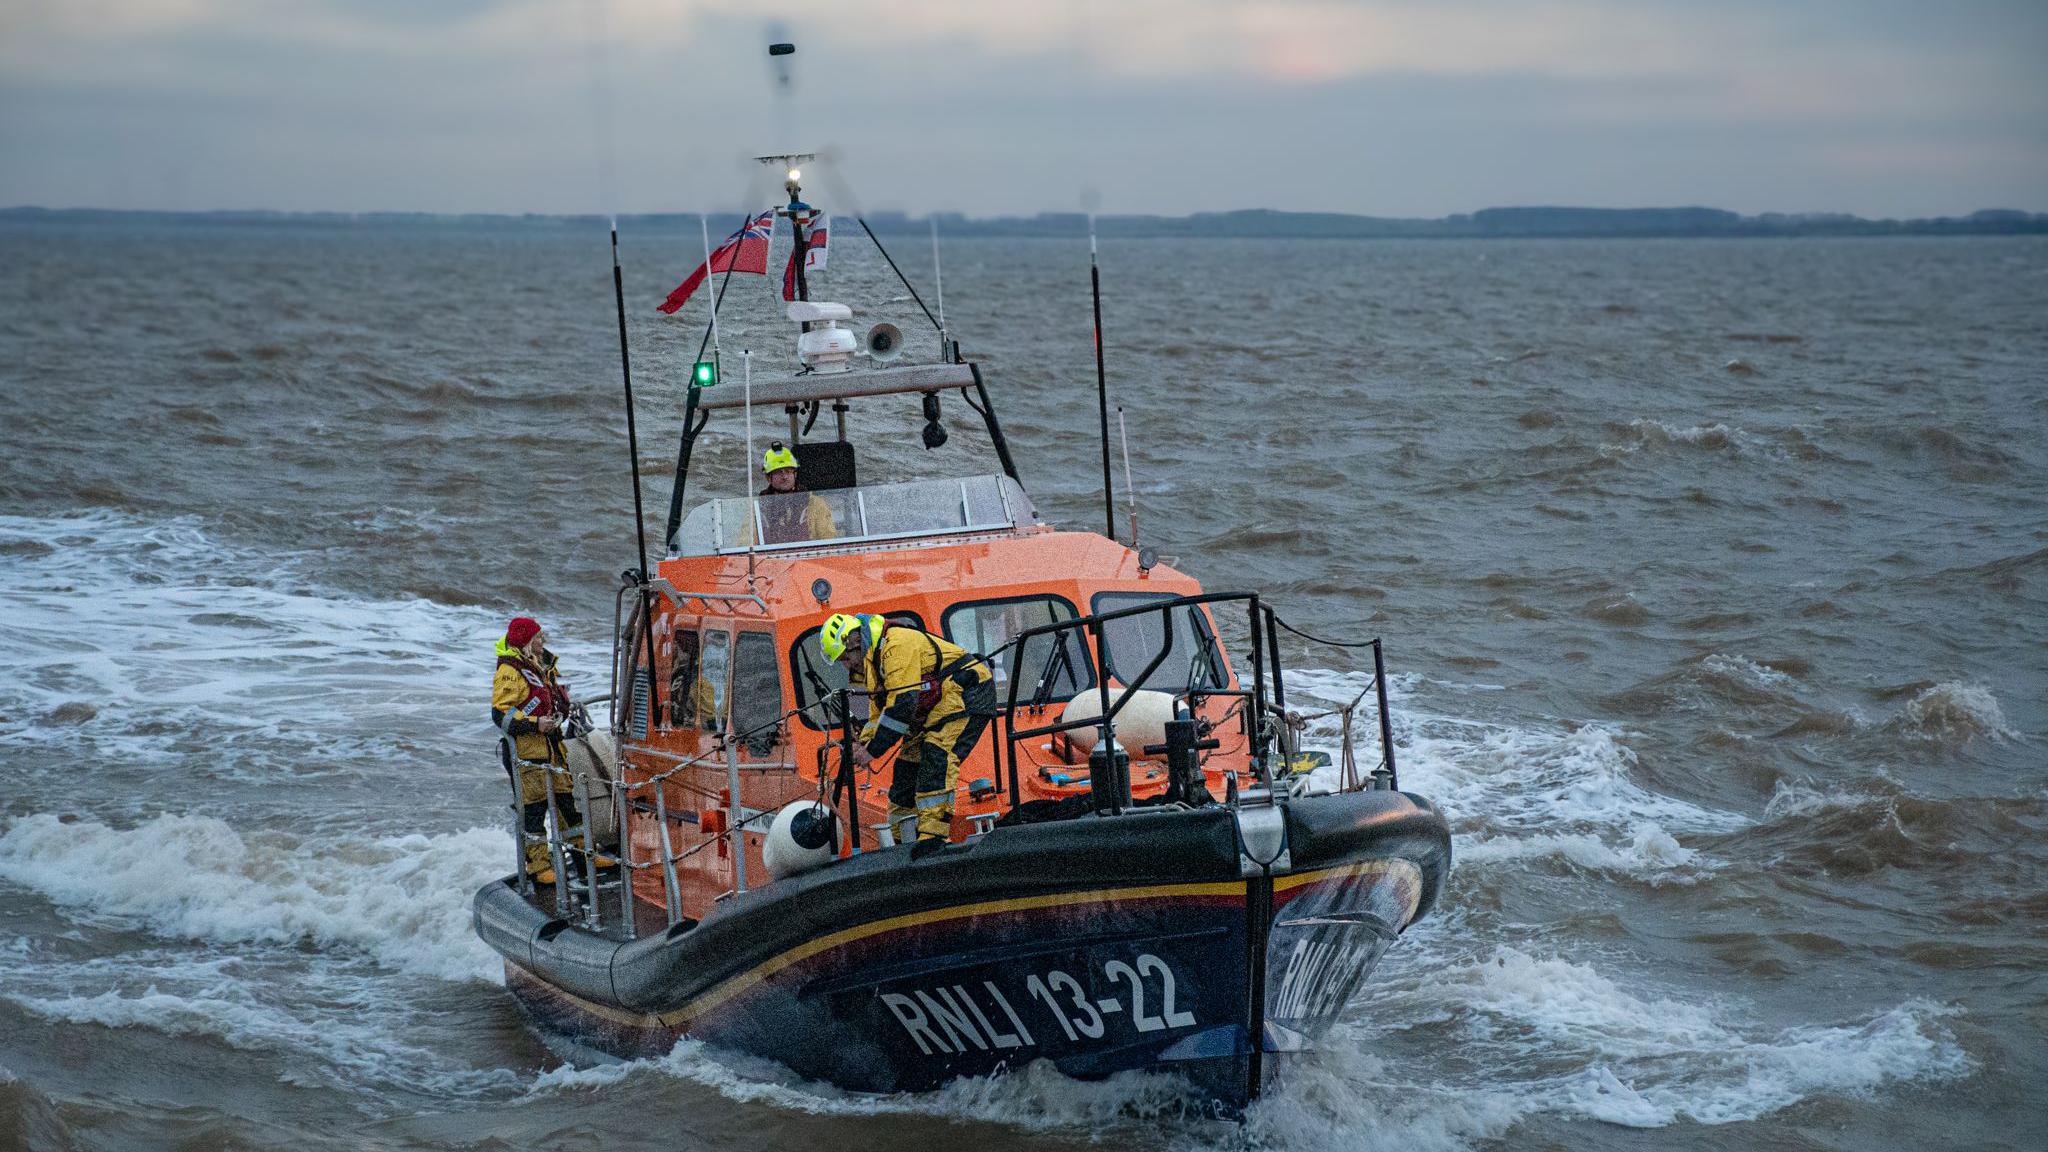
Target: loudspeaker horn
(885, 342)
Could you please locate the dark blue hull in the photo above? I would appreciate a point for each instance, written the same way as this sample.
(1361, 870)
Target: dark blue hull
(889, 986)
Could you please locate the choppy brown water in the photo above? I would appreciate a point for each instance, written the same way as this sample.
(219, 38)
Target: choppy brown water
(1717, 576)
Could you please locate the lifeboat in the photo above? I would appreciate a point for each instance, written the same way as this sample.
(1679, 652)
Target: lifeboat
(1145, 870)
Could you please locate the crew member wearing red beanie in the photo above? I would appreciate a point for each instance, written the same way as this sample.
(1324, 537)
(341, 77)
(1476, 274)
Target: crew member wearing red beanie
(529, 706)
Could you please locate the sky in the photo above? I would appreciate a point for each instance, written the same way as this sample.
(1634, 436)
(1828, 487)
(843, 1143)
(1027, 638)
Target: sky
(1883, 108)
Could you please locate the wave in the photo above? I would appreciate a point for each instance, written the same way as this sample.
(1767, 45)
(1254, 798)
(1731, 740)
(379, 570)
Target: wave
(1953, 711)
(1721, 683)
(401, 900)
(1642, 432)
(1518, 795)
(192, 634)
(29, 1119)
(1648, 853)
(1644, 1059)
(339, 1045)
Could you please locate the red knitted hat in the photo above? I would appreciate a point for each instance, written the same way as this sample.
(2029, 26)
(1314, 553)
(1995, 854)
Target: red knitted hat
(521, 630)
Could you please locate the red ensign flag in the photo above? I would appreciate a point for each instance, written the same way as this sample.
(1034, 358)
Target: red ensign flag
(744, 251)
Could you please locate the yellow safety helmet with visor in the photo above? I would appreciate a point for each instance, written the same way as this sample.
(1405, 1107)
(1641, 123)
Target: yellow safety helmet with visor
(777, 458)
(841, 627)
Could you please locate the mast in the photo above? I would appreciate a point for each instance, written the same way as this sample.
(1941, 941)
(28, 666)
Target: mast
(800, 216)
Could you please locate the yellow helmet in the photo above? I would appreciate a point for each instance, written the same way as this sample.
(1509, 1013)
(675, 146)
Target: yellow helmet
(777, 458)
(840, 628)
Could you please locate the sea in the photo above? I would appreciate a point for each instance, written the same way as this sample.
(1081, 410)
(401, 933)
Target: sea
(1712, 577)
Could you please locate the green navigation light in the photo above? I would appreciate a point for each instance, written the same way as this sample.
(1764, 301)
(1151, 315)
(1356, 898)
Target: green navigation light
(705, 374)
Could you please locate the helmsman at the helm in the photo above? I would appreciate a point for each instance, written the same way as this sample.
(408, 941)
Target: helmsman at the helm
(788, 512)
(529, 706)
(930, 694)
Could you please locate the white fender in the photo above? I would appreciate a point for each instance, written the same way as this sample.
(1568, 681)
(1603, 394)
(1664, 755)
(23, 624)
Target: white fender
(804, 836)
(1142, 721)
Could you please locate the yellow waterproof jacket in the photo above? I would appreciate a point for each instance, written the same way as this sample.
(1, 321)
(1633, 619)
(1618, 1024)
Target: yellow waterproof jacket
(790, 517)
(899, 670)
(692, 705)
(514, 703)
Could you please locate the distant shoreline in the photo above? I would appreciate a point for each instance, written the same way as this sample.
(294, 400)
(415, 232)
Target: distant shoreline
(1491, 223)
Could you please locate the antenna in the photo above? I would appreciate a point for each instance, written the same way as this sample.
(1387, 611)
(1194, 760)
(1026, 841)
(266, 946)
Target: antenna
(601, 107)
(939, 288)
(1130, 489)
(753, 501)
(1101, 383)
(704, 226)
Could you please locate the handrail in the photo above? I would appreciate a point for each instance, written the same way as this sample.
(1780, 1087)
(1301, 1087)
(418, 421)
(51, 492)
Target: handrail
(1094, 625)
(1267, 719)
(681, 599)
(580, 890)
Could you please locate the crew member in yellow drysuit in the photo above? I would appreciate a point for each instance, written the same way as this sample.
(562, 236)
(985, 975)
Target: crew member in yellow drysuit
(789, 513)
(530, 706)
(931, 694)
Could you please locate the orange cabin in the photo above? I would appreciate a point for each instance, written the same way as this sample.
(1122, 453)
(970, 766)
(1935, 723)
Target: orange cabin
(741, 691)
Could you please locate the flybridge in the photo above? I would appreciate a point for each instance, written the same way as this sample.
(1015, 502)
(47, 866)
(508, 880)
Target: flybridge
(815, 387)
(876, 514)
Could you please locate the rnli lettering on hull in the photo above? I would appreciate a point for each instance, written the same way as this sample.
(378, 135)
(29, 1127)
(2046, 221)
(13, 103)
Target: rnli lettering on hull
(1320, 975)
(950, 1020)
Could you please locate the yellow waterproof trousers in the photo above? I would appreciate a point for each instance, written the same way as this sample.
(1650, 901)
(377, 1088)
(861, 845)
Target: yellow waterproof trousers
(927, 772)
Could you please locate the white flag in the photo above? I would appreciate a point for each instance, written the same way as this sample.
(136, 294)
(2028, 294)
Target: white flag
(817, 243)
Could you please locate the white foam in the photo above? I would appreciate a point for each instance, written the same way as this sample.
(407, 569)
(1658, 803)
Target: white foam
(1036, 1096)
(321, 1034)
(1717, 435)
(1744, 670)
(1516, 795)
(1649, 853)
(1792, 799)
(404, 900)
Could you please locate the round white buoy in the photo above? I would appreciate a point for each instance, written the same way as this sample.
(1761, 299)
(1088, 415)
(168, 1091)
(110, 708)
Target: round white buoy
(803, 836)
(1142, 721)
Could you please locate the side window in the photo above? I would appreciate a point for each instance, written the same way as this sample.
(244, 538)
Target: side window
(714, 667)
(756, 692)
(817, 678)
(1051, 668)
(689, 697)
(1129, 644)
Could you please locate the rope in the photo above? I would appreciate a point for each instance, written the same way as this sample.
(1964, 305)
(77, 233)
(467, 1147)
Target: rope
(1319, 640)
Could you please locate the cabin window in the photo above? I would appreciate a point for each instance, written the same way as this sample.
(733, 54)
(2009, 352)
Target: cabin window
(817, 678)
(1196, 660)
(689, 694)
(714, 668)
(756, 693)
(1052, 668)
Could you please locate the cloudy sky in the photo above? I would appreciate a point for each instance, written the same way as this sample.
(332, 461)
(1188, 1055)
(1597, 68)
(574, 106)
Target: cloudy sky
(1878, 107)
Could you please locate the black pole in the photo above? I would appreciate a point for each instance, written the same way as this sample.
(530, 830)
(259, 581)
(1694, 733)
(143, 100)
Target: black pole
(633, 448)
(995, 427)
(799, 253)
(1101, 384)
(1258, 709)
(845, 780)
(1379, 682)
(692, 421)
